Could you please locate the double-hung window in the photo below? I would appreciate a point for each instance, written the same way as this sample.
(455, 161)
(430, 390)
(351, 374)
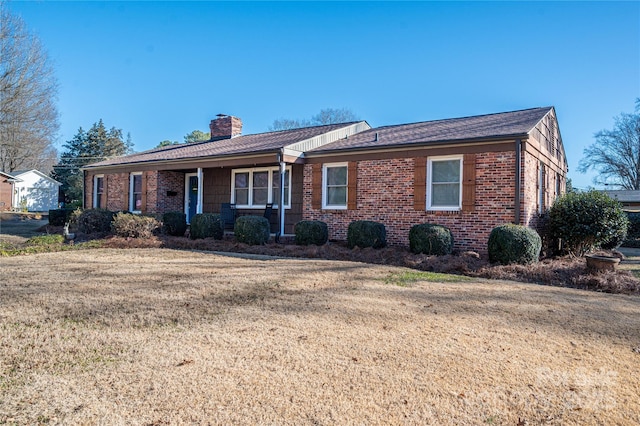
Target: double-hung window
(334, 185)
(135, 192)
(255, 188)
(98, 192)
(444, 183)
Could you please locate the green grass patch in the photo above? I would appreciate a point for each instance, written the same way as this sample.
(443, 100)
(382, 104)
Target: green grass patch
(45, 240)
(45, 244)
(406, 278)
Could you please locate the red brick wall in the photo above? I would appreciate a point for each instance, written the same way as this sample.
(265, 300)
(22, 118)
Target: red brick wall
(385, 194)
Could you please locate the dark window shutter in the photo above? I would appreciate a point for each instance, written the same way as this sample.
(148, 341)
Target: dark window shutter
(352, 185)
(105, 191)
(316, 186)
(420, 183)
(469, 183)
(127, 183)
(143, 196)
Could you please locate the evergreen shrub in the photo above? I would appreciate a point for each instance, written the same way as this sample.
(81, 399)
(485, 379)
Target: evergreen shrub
(206, 225)
(431, 239)
(174, 223)
(252, 230)
(366, 233)
(311, 232)
(514, 244)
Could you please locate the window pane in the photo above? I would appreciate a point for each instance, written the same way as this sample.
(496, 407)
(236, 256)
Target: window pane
(138, 201)
(137, 183)
(260, 179)
(446, 171)
(242, 196)
(445, 195)
(242, 180)
(260, 195)
(100, 185)
(337, 175)
(275, 196)
(337, 196)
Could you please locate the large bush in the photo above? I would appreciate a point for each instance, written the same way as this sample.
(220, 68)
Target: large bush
(128, 225)
(95, 221)
(366, 233)
(252, 230)
(431, 239)
(174, 223)
(59, 217)
(514, 244)
(311, 232)
(205, 225)
(585, 221)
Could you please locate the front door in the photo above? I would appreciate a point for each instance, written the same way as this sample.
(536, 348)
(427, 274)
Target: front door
(191, 195)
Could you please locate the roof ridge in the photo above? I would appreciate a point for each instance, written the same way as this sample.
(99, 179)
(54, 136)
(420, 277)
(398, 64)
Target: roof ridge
(461, 118)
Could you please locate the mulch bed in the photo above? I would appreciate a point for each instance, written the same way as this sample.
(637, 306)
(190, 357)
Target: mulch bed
(561, 272)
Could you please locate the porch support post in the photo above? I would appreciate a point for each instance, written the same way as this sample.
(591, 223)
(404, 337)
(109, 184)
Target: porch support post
(199, 205)
(281, 206)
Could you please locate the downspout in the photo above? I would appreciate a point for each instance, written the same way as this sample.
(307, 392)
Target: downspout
(518, 176)
(199, 205)
(281, 206)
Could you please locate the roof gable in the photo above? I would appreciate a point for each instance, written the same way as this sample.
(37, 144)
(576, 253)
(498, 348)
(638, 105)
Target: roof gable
(23, 173)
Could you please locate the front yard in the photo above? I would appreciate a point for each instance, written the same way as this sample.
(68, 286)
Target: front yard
(160, 336)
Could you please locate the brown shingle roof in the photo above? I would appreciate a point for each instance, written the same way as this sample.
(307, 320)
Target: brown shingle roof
(241, 145)
(500, 125)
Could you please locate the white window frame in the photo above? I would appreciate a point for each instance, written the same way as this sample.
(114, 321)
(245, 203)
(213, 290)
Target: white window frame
(251, 171)
(325, 191)
(95, 190)
(131, 199)
(430, 162)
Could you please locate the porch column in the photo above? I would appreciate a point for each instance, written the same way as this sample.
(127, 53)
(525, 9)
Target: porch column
(199, 205)
(281, 206)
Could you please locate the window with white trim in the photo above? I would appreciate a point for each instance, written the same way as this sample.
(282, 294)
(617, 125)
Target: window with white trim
(255, 188)
(334, 185)
(444, 183)
(135, 192)
(98, 192)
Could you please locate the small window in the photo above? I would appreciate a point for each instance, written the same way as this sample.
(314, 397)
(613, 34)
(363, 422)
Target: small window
(255, 188)
(444, 183)
(135, 191)
(98, 192)
(334, 186)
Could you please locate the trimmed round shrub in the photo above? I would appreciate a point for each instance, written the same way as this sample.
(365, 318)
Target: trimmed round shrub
(431, 239)
(585, 221)
(174, 223)
(514, 244)
(128, 225)
(252, 230)
(311, 232)
(366, 233)
(206, 225)
(95, 221)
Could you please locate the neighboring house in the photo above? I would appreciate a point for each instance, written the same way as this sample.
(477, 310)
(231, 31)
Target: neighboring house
(6, 191)
(470, 174)
(630, 200)
(33, 191)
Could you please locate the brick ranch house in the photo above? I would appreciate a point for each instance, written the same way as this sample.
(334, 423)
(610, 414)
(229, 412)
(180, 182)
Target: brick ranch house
(469, 174)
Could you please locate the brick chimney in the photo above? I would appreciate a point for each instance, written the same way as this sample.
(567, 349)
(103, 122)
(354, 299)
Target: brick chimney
(225, 127)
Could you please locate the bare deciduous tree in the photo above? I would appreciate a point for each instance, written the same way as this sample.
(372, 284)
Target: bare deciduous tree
(28, 90)
(616, 153)
(325, 116)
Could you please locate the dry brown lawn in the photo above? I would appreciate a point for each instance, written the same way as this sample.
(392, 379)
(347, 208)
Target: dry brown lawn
(158, 336)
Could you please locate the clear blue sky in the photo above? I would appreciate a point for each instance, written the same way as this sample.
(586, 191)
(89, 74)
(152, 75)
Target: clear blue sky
(162, 69)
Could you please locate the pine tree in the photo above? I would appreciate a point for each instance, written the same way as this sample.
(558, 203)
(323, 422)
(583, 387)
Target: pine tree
(86, 147)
